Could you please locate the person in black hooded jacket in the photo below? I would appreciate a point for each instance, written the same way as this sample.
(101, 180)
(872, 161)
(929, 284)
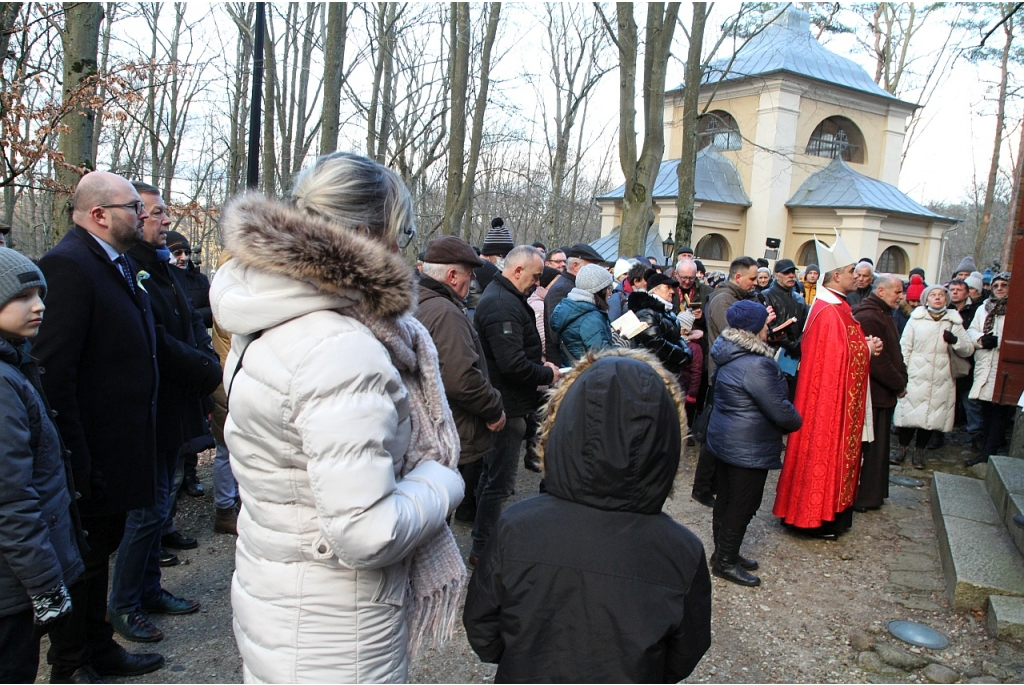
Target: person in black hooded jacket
(592, 582)
(662, 335)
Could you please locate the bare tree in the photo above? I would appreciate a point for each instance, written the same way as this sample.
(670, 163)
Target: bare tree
(334, 67)
(80, 40)
(640, 167)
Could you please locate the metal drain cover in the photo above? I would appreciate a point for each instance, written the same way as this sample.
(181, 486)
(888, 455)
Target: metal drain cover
(918, 634)
(906, 481)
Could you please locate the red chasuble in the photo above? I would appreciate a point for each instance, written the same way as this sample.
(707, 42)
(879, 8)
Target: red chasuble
(822, 464)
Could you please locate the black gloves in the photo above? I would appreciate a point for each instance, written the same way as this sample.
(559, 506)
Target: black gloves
(989, 341)
(949, 337)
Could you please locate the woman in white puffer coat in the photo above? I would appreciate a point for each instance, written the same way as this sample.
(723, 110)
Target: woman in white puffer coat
(933, 331)
(987, 334)
(339, 432)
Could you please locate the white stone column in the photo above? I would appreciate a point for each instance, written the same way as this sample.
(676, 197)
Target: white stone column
(771, 177)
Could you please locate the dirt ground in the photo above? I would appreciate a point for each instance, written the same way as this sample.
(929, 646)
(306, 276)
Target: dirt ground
(819, 616)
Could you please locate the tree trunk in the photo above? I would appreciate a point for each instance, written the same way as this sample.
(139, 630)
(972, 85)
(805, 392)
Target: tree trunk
(687, 170)
(334, 63)
(269, 95)
(8, 15)
(1016, 206)
(80, 39)
(993, 170)
(641, 169)
(111, 12)
(458, 65)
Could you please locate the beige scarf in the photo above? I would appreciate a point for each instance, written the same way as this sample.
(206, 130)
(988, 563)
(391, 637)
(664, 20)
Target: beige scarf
(437, 573)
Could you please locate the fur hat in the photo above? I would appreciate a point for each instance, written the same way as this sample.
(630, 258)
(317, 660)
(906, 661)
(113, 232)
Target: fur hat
(1001, 276)
(916, 288)
(966, 264)
(498, 240)
(18, 273)
(593, 278)
(747, 315)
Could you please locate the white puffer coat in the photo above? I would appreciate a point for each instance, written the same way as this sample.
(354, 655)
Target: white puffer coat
(930, 402)
(986, 362)
(318, 428)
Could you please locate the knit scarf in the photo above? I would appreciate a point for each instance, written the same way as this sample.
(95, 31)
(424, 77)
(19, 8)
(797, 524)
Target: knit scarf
(437, 573)
(995, 306)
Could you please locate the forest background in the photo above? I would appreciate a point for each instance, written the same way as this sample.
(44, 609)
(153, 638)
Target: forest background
(498, 109)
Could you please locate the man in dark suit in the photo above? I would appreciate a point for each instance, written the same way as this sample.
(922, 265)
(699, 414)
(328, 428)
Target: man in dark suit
(97, 350)
(189, 370)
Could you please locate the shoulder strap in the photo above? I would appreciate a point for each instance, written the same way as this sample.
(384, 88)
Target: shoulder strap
(238, 367)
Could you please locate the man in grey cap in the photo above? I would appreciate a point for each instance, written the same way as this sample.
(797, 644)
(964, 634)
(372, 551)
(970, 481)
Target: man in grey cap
(578, 256)
(447, 270)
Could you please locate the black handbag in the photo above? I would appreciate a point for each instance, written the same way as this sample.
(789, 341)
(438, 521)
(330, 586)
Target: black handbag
(699, 429)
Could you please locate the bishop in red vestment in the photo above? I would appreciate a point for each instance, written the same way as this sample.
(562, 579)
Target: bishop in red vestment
(821, 468)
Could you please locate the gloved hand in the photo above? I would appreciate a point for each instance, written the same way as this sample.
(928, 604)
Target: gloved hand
(989, 341)
(50, 605)
(949, 337)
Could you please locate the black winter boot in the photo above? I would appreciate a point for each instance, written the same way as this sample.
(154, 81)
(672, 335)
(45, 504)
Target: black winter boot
(727, 559)
(748, 564)
(917, 457)
(900, 456)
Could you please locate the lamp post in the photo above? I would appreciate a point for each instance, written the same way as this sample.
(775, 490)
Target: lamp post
(668, 248)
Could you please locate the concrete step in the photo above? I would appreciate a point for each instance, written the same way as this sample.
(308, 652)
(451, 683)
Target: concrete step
(1006, 616)
(1005, 483)
(978, 557)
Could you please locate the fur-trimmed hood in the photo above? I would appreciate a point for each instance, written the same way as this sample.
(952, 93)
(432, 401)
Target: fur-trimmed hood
(288, 263)
(735, 342)
(612, 435)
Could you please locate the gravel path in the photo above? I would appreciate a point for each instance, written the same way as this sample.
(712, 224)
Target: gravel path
(819, 616)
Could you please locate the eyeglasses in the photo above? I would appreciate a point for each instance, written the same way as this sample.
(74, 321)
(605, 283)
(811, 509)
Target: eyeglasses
(1000, 284)
(138, 206)
(408, 233)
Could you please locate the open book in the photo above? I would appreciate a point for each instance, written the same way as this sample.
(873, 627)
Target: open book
(628, 325)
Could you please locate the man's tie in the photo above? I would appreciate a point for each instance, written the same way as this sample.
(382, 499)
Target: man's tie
(122, 263)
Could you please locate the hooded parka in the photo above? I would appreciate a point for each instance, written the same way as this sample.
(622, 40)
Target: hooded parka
(930, 402)
(580, 325)
(592, 582)
(318, 429)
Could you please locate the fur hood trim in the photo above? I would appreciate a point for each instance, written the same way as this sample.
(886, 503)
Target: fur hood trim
(555, 396)
(748, 341)
(270, 235)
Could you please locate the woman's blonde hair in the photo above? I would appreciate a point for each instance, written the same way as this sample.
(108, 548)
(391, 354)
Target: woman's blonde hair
(355, 191)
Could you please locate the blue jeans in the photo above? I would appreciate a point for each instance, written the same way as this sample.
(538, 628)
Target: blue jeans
(225, 487)
(497, 479)
(137, 569)
(972, 409)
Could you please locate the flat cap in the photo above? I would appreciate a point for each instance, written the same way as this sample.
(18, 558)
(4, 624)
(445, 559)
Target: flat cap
(660, 279)
(447, 249)
(584, 251)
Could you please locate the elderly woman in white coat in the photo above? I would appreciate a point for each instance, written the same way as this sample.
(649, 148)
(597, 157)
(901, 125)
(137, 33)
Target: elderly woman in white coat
(987, 333)
(341, 439)
(934, 331)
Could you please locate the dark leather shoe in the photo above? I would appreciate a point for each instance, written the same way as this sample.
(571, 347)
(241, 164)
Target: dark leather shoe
(123, 664)
(168, 559)
(83, 674)
(176, 540)
(136, 626)
(975, 461)
(164, 602)
(192, 486)
(705, 498)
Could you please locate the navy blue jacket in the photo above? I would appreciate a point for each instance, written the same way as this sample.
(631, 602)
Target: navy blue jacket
(751, 408)
(39, 528)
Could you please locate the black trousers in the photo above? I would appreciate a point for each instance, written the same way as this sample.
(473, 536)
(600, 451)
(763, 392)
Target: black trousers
(995, 419)
(471, 475)
(874, 469)
(705, 479)
(19, 648)
(739, 495)
(923, 436)
(86, 633)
